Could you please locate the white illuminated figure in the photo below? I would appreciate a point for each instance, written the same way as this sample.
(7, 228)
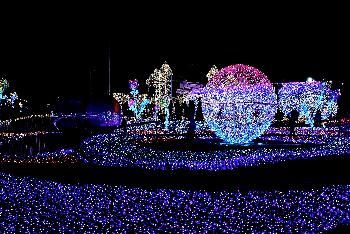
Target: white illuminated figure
(212, 72)
(160, 80)
(310, 79)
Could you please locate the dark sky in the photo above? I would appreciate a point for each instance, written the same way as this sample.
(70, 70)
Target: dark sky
(53, 60)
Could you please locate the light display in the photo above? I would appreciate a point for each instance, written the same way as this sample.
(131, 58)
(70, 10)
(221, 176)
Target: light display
(121, 97)
(4, 84)
(329, 106)
(307, 98)
(189, 91)
(212, 72)
(62, 156)
(134, 104)
(160, 80)
(239, 103)
(38, 205)
(6, 123)
(31, 205)
(9, 136)
(13, 98)
(115, 150)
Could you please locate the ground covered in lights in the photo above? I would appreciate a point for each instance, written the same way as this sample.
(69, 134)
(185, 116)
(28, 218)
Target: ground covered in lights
(32, 203)
(151, 148)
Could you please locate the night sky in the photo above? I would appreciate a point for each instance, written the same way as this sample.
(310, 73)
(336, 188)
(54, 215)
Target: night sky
(46, 62)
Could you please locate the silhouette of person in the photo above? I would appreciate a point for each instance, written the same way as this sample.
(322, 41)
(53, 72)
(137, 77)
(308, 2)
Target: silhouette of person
(318, 119)
(191, 129)
(279, 117)
(123, 126)
(294, 114)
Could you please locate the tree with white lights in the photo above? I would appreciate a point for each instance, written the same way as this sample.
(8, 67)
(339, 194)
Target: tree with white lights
(212, 72)
(161, 81)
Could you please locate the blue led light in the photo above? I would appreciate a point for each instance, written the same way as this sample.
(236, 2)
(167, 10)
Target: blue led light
(307, 98)
(115, 150)
(31, 205)
(239, 103)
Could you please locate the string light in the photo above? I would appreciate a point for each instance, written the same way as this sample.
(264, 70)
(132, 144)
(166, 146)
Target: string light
(62, 156)
(6, 123)
(121, 97)
(239, 103)
(115, 150)
(160, 79)
(212, 72)
(189, 91)
(4, 84)
(134, 104)
(308, 98)
(31, 205)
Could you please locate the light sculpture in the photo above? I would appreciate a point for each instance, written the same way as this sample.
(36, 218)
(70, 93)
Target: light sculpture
(329, 106)
(160, 80)
(308, 98)
(121, 98)
(212, 72)
(239, 103)
(13, 98)
(4, 84)
(134, 104)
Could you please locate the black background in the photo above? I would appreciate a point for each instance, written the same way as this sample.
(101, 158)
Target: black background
(52, 53)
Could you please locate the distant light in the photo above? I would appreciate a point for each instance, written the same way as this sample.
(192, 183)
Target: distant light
(309, 79)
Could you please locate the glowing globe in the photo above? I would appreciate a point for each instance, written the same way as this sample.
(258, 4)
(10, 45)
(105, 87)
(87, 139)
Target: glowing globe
(239, 103)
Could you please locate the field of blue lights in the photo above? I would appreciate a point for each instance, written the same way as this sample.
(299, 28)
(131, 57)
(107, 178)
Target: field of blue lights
(116, 150)
(30, 205)
(237, 168)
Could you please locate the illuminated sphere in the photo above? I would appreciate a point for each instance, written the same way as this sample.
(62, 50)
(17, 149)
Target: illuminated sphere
(239, 103)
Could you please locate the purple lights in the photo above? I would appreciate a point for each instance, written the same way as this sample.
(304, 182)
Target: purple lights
(237, 75)
(44, 205)
(133, 84)
(114, 150)
(239, 103)
(33, 205)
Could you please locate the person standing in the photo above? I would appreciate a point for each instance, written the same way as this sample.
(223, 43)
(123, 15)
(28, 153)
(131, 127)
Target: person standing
(294, 114)
(124, 127)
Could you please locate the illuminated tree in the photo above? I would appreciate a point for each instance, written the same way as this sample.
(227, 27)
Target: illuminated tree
(308, 98)
(212, 72)
(136, 105)
(4, 84)
(160, 80)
